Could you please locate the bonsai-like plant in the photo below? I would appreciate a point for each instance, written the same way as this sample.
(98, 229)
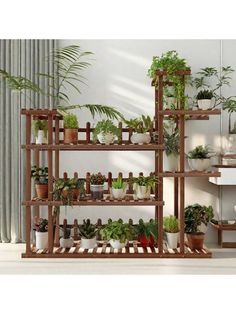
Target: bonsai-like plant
(117, 230)
(140, 125)
(171, 224)
(41, 224)
(195, 215)
(205, 94)
(148, 182)
(97, 179)
(147, 229)
(70, 121)
(88, 230)
(64, 189)
(40, 125)
(106, 127)
(39, 174)
(118, 184)
(199, 152)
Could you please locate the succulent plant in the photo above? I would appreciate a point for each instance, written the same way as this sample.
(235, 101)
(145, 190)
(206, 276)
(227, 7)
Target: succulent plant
(140, 125)
(205, 94)
(87, 230)
(97, 179)
(40, 174)
(118, 184)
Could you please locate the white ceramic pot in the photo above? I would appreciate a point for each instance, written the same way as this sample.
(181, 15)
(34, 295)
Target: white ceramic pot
(142, 192)
(116, 244)
(169, 102)
(40, 139)
(88, 243)
(118, 193)
(66, 243)
(140, 138)
(171, 162)
(204, 104)
(41, 240)
(172, 239)
(106, 138)
(199, 164)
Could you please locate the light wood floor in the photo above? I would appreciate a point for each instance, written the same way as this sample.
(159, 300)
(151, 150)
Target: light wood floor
(223, 262)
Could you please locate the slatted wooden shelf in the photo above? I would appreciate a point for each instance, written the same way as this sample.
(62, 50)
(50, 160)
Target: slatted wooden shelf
(104, 250)
(198, 112)
(190, 174)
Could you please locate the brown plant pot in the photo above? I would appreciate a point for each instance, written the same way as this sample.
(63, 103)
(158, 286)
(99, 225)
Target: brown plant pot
(41, 190)
(195, 241)
(75, 193)
(71, 136)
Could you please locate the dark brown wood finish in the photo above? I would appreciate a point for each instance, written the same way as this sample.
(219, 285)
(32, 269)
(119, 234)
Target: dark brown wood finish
(28, 185)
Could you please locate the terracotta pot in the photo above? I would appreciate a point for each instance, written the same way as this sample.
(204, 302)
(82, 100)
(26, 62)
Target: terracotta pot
(74, 192)
(71, 136)
(41, 190)
(195, 241)
(145, 241)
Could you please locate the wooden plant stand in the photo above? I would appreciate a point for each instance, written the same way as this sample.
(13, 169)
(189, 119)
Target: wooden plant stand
(55, 145)
(220, 229)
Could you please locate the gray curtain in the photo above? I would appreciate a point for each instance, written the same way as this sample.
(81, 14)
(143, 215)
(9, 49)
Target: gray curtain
(21, 58)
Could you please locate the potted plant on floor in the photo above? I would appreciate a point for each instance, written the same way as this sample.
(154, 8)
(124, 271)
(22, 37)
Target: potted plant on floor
(40, 130)
(171, 227)
(97, 185)
(143, 186)
(171, 142)
(118, 189)
(196, 218)
(70, 129)
(66, 241)
(147, 232)
(106, 132)
(117, 233)
(199, 158)
(88, 232)
(41, 233)
(204, 99)
(40, 176)
(141, 127)
(68, 190)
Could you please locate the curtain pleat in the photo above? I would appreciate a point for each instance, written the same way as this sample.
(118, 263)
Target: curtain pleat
(21, 58)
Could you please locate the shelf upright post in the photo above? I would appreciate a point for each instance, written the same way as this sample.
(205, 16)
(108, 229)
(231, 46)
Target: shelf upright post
(156, 152)
(160, 163)
(37, 164)
(50, 183)
(28, 184)
(57, 160)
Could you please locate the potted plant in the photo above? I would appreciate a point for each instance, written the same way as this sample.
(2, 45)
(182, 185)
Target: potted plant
(40, 130)
(199, 158)
(106, 132)
(196, 218)
(170, 100)
(68, 190)
(143, 185)
(70, 129)
(147, 232)
(171, 142)
(97, 185)
(88, 232)
(204, 99)
(40, 176)
(41, 233)
(171, 227)
(118, 189)
(66, 241)
(141, 127)
(117, 233)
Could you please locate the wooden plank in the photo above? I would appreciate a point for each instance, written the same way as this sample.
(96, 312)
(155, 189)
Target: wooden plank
(183, 112)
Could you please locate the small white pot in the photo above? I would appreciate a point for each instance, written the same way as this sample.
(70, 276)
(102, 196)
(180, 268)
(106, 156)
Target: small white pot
(66, 243)
(204, 104)
(118, 193)
(199, 164)
(172, 239)
(116, 244)
(40, 139)
(41, 240)
(88, 243)
(169, 101)
(171, 162)
(142, 192)
(140, 138)
(106, 138)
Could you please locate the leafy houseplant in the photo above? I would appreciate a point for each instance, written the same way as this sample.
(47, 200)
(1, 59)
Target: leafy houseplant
(68, 190)
(140, 126)
(41, 233)
(117, 233)
(105, 132)
(70, 129)
(88, 232)
(199, 158)
(40, 176)
(118, 188)
(171, 227)
(97, 185)
(147, 232)
(204, 99)
(171, 142)
(196, 218)
(40, 129)
(143, 186)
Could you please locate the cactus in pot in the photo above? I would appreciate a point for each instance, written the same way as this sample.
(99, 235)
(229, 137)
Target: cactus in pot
(118, 188)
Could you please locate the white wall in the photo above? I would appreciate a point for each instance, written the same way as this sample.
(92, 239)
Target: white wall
(118, 77)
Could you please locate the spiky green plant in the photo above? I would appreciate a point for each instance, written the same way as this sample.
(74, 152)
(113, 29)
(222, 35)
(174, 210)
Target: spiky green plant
(142, 124)
(70, 121)
(119, 183)
(171, 224)
(147, 229)
(38, 125)
(148, 182)
(205, 94)
(199, 152)
(87, 230)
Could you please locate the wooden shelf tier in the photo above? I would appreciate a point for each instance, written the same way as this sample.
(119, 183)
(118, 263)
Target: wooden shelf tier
(190, 174)
(198, 112)
(104, 250)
